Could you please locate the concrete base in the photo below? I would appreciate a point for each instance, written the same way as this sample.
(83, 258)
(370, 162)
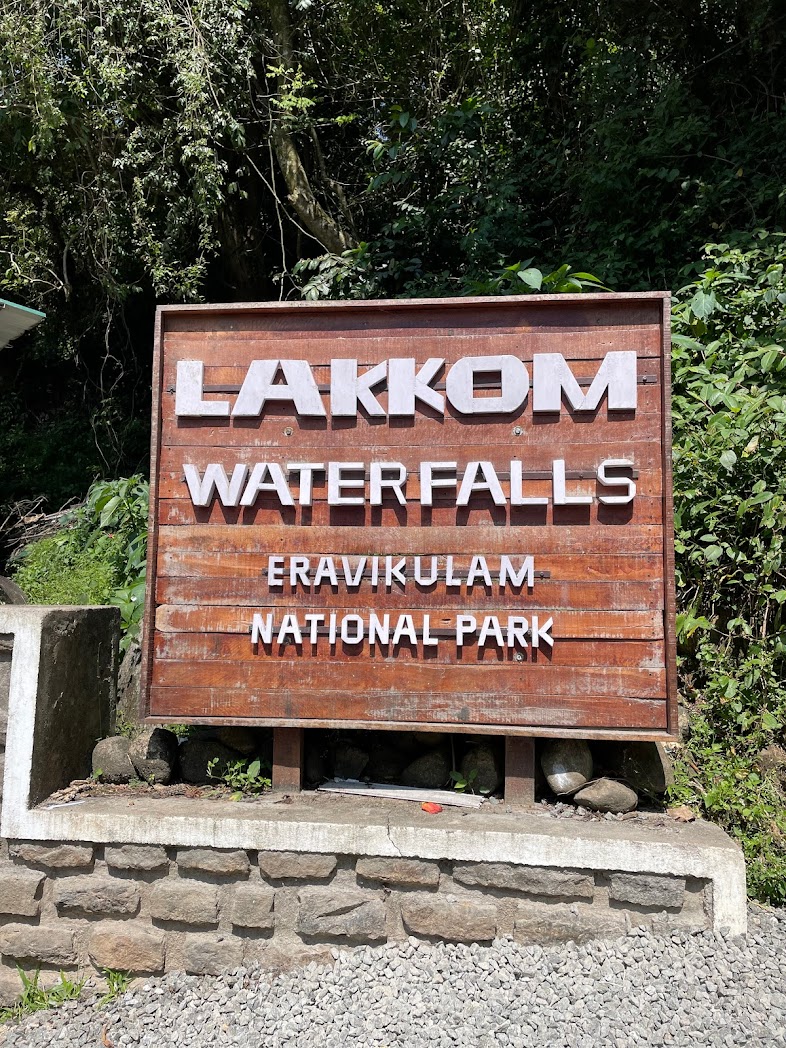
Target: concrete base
(185, 880)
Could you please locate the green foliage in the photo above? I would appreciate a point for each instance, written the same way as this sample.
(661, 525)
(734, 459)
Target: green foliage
(34, 998)
(61, 569)
(243, 776)
(98, 558)
(351, 275)
(116, 984)
(461, 782)
(446, 139)
(729, 409)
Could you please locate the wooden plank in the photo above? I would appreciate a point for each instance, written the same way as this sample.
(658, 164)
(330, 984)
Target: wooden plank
(325, 708)
(486, 537)
(579, 456)
(549, 595)
(420, 316)
(181, 512)
(569, 625)
(371, 345)
(228, 368)
(589, 732)
(386, 681)
(599, 567)
(147, 634)
(237, 647)
(287, 773)
(670, 610)
(279, 428)
(519, 772)
(648, 486)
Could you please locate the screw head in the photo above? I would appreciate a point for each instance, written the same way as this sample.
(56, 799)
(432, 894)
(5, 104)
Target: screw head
(519, 657)
(288, 431)
(517, 431)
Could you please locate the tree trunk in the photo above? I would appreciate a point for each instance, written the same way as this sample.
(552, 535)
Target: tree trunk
(301, 196)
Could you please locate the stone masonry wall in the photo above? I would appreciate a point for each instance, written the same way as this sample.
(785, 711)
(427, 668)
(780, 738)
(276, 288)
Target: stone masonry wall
(150, 909)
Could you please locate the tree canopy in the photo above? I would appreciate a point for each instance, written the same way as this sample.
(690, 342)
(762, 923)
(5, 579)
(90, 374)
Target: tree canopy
(170, 150)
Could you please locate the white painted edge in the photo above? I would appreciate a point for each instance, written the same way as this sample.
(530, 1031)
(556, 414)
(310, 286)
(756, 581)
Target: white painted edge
(722, 864)
(25, 624)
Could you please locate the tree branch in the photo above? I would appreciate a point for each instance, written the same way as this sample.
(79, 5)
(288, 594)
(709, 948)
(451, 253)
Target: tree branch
(299, 192)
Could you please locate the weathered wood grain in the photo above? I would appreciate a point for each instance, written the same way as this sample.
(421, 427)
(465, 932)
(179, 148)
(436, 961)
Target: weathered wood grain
(235, 647)
(611, 669)
(548, 594)
(278, 428)
(485, 538)
(569, 625)
(608, 567)
(457, 711)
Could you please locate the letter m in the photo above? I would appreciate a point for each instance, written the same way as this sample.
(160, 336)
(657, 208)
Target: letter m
(552, 377)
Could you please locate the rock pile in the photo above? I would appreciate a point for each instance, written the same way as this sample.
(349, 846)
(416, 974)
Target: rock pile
(606, 777)
(157, 756)
(598, 776)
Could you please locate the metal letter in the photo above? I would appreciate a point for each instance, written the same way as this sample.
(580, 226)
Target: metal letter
(189, 400)
(337, 481)
(490, 482)
(616, 482)
(347, 389)
(259, 387)
(215, 479)
(558, 488)
(551, 377)
(513, 384)
(405, 386)
(428, 481)
(394, 484)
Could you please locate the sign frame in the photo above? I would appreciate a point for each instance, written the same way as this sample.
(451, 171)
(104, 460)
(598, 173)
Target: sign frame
(332, 314)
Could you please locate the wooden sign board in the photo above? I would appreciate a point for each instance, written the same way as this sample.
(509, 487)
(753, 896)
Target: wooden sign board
(450, 514)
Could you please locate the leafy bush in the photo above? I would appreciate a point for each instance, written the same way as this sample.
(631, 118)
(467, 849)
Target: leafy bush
(98, 558)
(729, 409)
(242, 776)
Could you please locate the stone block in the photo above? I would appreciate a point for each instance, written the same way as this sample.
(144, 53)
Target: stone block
(125, 948)
(646, 889)
(53, 856)
(406, 872)
(153, 753)
(184, 901)
(10, 987)
(18, 890)
(76, 686)
(252, 907)
(558, 922)
(110, 760)
(204, 955)
(341, 915)
(136, 857)
(211, 860)
(450, 917)
(296, 866)
(534, 880)
(45, 944)
(86, 895)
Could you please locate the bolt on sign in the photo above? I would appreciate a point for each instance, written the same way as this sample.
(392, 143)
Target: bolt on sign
(445, 514)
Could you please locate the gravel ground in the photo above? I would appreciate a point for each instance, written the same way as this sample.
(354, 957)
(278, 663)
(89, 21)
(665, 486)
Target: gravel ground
(687, 990)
